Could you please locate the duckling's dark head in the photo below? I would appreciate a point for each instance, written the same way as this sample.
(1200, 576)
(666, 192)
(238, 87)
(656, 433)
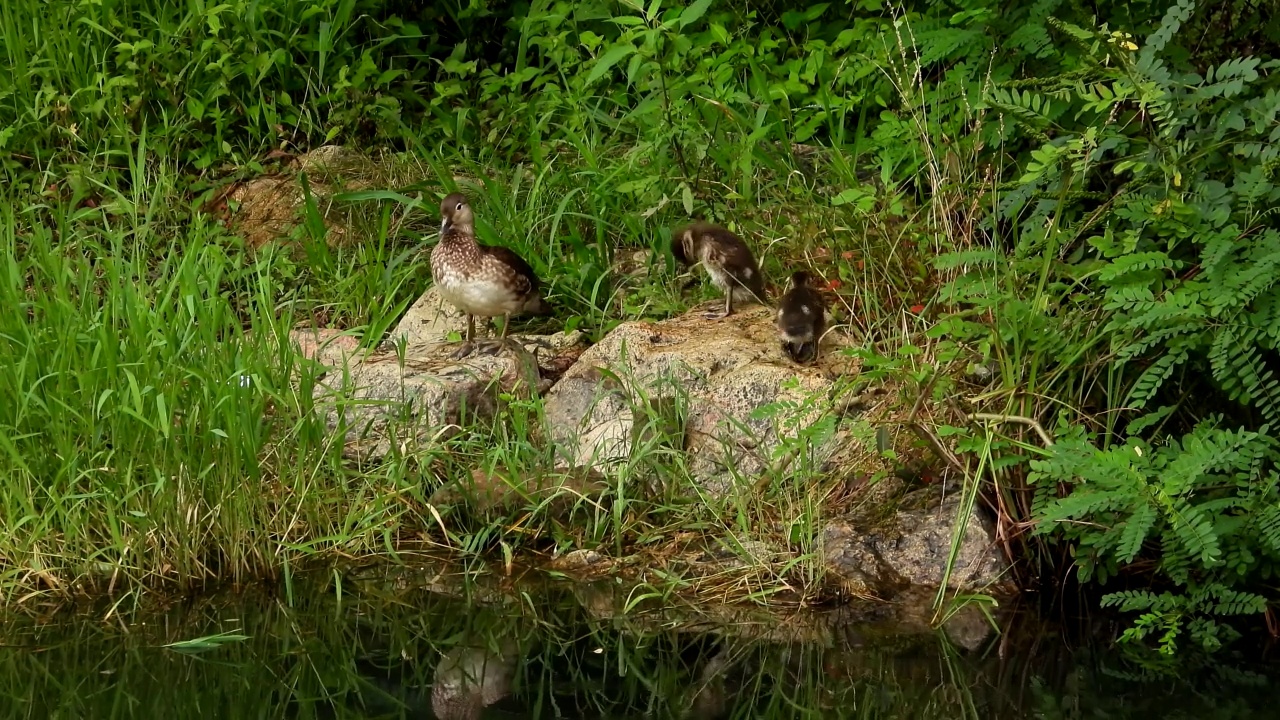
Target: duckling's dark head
(682, 245)
(455, 212)
(799, 278)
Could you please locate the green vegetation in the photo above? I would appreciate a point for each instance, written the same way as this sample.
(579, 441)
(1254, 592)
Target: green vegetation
(1078, 197)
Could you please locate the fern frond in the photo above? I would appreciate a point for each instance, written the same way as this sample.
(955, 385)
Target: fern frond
(1151, 379)
(1134, 532)
(1137, 262)
(1267, 522)
(1194, 532)
(1029, 108)
(943, 43)
(1238, 366)
(1229, 78)
(1170, 24)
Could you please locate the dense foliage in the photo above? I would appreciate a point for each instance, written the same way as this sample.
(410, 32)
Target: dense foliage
(1084, 193)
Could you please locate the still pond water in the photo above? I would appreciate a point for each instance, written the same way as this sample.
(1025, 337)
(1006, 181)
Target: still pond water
(375, 642)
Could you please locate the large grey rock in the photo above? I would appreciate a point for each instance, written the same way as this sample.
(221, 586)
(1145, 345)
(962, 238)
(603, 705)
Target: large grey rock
(430, 320)
(880, 552)
(386, 400)
(737, 405)
(744, 410)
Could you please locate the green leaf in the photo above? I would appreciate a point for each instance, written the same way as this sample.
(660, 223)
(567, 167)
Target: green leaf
(694, 13)
(608, 60)
(208, 642)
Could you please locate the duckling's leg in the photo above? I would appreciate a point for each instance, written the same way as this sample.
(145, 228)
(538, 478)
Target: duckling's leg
(728, 308)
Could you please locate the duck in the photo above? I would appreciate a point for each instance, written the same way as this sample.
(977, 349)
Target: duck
(480, 280)
(802, 318)
(726, 258)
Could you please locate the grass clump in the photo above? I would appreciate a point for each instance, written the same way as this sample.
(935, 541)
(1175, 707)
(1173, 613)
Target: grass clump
(158, 422)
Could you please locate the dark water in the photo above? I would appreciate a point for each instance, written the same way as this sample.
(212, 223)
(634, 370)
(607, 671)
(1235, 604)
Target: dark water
(371, 643)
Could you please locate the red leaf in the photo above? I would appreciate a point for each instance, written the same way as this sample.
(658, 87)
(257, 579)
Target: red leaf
(847, 254)
(833, 284)
(917, 308)
(861, 265)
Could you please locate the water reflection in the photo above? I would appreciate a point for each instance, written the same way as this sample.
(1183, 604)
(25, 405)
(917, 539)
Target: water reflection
(421, 643)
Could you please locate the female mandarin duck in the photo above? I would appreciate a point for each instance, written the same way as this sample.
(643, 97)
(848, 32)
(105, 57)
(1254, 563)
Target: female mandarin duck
(484, 280)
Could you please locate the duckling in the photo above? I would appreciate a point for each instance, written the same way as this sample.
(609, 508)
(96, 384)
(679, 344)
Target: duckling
(801, 319)
(480, 279)
(727, 260)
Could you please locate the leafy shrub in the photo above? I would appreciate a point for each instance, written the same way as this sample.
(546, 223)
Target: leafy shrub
(1143, 291)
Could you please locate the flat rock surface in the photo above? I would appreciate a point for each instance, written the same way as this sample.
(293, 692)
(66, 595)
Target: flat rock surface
(430, 320)
(387, 401)
(745, 407)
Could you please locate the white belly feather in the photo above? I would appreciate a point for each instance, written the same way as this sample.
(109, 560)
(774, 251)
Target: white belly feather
(477, 297)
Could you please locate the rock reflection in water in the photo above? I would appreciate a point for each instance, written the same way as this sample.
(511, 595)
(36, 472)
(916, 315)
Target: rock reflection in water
(471, 678)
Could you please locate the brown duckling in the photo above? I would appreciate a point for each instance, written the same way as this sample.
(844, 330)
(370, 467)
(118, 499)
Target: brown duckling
(484, 280)
(727, 260)
(802, 318)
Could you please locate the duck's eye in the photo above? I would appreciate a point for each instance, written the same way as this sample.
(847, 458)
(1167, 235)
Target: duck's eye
(459, 207)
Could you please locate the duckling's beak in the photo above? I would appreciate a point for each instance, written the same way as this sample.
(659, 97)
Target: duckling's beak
(444, 224)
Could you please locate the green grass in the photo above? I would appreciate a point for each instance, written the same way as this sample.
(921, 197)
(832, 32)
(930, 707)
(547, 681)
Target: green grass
(159, 430)
(152, 425)
(156, 429)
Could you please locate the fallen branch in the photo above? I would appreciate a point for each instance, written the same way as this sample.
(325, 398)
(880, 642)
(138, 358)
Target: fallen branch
(1045, 437)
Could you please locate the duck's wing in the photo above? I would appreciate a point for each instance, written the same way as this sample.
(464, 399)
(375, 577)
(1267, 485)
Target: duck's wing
(519, 268)
(734, 255)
